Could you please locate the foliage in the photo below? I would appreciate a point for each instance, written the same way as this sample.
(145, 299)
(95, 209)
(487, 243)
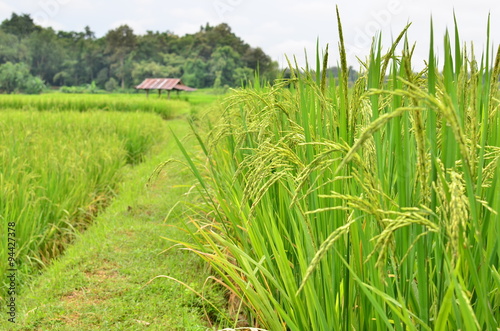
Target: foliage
(119, 43)
(46, 54)
(73, 89)
(11, 49)
(149, 69)
(243, 76)
(371, 207)
(78, 58)
(111, 85)
(223, 63)
(16, 78)
(33, 85)
(195, 73)
(19, 25)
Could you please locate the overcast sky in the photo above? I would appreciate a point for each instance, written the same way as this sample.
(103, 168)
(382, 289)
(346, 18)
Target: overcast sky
(277, 26)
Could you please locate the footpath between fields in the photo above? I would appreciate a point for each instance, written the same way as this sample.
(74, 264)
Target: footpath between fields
(100, 281)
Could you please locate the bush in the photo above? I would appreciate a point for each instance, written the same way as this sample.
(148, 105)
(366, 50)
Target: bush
(16, 78)
(34, 85)
(88, 88)
(111, 85)
(72, 89)
(92, 88)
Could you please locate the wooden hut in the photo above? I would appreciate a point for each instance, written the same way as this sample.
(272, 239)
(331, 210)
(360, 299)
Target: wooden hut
(167, 84)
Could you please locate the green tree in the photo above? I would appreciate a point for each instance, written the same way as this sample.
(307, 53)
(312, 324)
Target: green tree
(17, 78)
(111, 85)
(69, 75)
(83, 57)
(150, 69)
(222, 35)
(20, 25)
(223, 63)
(47, 54)
(256, 59)
(153, 45)
(120, 42)
(212, 55)
(123, 70)
(11, 49)
(195, 73)
(242, 76)
(12, 76)
(173, 60)
(92, 58)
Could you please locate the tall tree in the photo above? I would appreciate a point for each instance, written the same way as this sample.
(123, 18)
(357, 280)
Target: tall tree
(223, 63)
(11, 49)
(149, 69)
(19, 25)
(46, 54)
(195, 73)
(152, 45)
(212, 55)
(17, 78)
(93, 58)
(120, 42)
(256, 59)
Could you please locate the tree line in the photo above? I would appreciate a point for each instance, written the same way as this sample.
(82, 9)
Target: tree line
(214, 56)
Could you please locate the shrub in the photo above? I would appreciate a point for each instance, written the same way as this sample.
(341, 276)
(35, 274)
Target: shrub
(16, 78)
(111, 85)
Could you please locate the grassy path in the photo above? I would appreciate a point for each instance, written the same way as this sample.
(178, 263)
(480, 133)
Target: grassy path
(99, 283)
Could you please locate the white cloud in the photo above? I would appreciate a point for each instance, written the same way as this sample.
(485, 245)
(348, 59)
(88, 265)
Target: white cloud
(277, 26)
(45, 21)
(313, 9)
(274, 27)
(6, 8)
(293, 48)
(81, 4)
(241, 21)
(145, 2)
(187, 28)
(191, 14)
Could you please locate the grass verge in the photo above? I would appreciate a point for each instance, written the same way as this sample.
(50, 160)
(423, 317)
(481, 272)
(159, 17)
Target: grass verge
(85, 102)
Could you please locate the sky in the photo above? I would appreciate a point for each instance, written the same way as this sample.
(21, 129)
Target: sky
(279, 27)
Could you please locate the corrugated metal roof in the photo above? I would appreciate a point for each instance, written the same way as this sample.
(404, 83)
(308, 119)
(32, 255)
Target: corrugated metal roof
(164, 84)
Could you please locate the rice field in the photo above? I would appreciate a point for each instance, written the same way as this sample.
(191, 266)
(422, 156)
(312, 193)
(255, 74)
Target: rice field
(365, 207)
(105, 102)
(57, 170)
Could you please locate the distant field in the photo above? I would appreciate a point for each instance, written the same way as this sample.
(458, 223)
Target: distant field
(86, 102)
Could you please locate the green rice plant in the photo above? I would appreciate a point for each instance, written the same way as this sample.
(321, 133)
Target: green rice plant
(84, 102)
(372, 207)
(57, 170)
